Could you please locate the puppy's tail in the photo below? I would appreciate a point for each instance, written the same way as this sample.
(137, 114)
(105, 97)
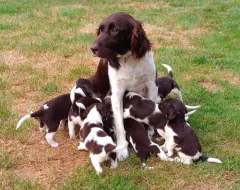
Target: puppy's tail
(192, 107)
(190, 113)
(38, 113)
(208, 159)
(170, 71)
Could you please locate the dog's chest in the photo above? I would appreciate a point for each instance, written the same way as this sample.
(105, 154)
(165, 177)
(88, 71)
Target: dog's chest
(169, 133)
(133, 74)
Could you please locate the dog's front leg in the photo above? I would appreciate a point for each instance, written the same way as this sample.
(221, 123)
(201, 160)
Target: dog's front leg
(117, 108)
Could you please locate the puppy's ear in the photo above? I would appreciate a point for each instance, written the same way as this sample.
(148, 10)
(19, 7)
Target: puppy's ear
(139, 41)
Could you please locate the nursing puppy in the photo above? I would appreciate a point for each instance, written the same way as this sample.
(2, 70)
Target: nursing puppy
(96, 85)
(145, 111)
(75, 115)
(167, 85)
(96, 140)
(53, 112)
(50, 114)
(180, 136)
(123, 43)
(138, 137)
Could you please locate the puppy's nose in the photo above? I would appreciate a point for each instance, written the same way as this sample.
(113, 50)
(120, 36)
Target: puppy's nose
(94, 48)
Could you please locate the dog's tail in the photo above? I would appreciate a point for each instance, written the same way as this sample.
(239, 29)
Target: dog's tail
(170, 71)
(192, 107)
(208, 159)
(190, 113)
(38, 113)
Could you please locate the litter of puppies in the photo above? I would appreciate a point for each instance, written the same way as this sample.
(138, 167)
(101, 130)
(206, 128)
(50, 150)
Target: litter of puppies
(90, 109)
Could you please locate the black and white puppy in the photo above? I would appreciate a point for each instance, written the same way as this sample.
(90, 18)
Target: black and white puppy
(96, 140)
(96, 85)
(179, 135)
(50, 114)
(122, 41)
(167, 85)
(75, 115)
(138, 137)
(145, 111)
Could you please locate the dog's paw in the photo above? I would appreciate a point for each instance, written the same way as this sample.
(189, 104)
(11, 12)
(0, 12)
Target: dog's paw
(82, 146)
(176, 159)
(169, 154)
(72, 136)
(41, 129)
(99, 171)
(122, 154)
(54, 144)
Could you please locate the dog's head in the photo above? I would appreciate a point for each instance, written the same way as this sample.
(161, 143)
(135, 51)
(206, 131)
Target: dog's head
(118, 34)
(173, 108)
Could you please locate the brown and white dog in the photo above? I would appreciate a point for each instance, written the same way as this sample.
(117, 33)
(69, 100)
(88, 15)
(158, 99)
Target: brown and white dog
(146, 111)
(51, 113)
(75, 115)
(95, 86)
(137, 135)
(180, 136)
(122, 42)
(167, 85)
(96, 140)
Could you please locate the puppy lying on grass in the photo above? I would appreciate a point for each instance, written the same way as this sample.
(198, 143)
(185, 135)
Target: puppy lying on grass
(96, 140)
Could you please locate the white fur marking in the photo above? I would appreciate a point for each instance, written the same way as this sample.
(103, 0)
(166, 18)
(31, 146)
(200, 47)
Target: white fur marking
(80, 91)
(20, 122)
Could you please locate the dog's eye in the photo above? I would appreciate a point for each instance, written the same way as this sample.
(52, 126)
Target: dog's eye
(114, 30)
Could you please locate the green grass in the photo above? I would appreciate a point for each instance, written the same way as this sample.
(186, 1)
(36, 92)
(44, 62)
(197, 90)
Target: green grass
(44, 49)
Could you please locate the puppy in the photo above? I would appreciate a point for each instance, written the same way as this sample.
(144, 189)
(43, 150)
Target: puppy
(96, 140)
(179, 135)
(75, 115)
(123, 43)
(96, 85)
(50, 114)
(53, 112)
(145, 111)
(167, 85)
(142, 145)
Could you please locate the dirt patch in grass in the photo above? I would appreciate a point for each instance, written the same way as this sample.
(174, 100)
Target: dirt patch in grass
(211, 86)
(37, 161)
(161, 36)
(88, 29)
(232, 79)
(12, 57)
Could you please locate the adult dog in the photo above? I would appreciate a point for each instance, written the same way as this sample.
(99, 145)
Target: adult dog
(122, 42)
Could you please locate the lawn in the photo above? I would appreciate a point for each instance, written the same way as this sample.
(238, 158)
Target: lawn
(45, 48)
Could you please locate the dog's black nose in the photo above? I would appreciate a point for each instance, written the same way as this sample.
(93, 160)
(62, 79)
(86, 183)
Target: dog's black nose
(94, 48)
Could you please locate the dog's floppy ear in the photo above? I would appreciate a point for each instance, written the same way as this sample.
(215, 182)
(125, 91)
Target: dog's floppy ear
(139, 41)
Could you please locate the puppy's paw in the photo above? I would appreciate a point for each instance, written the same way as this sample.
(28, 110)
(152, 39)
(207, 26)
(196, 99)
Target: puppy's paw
(82, 146)
(169, 154)
(122, 154)
(176, 159)
(99, 171)
(54, 144)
